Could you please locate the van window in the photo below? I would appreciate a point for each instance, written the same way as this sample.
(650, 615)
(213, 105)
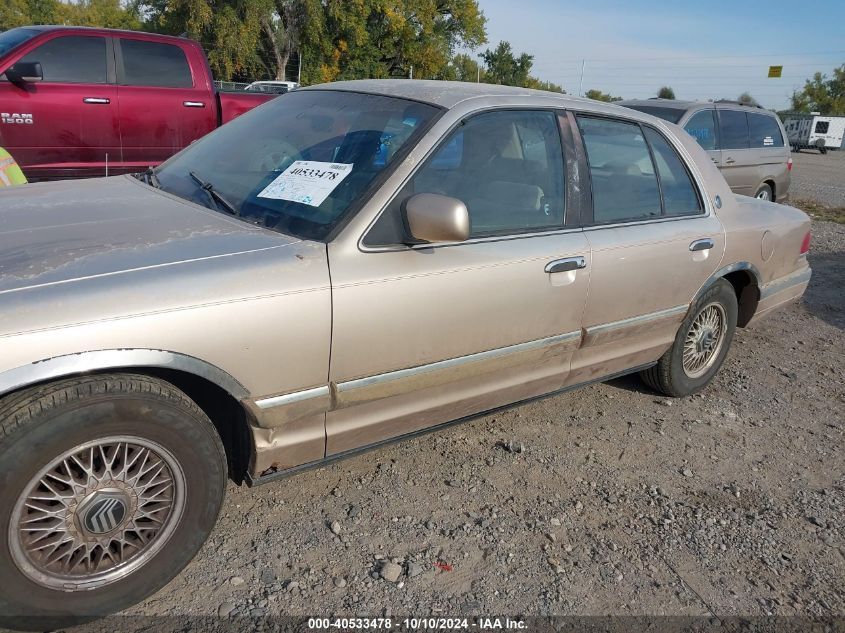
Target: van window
(822, 127)
(733, 129)
(154, 64)
(73, 59)
(702, 127)
(621, 171)
(764, 130)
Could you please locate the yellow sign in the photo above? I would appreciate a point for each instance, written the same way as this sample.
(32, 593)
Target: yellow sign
(10, 173)
(775, 72)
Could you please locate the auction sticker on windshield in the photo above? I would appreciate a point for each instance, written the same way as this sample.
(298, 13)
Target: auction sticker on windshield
(307, 182)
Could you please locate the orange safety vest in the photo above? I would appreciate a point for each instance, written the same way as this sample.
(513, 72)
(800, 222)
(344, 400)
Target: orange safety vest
(10, 173)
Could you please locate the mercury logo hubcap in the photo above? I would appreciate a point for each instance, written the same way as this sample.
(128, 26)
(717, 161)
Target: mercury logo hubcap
(102, 512)
(96, 513)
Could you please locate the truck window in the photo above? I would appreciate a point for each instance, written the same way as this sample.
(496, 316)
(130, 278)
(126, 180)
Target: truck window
(154, 64)
(73, 59)
(733, 129)
(822, 127)
(702, 127)
(764, 131)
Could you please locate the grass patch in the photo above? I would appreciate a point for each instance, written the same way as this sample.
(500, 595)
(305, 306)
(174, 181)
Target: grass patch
(820, 211)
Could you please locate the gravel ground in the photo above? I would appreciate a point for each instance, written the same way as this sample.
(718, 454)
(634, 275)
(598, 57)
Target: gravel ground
(817, 177)
(607, 500)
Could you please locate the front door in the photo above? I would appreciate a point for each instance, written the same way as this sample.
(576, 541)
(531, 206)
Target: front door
(67, 124)
(427, 334)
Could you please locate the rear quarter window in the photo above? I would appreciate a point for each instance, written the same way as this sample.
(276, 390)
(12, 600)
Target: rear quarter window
(764, 131)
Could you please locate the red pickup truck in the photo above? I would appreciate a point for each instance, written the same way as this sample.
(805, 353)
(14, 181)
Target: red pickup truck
(78, 102)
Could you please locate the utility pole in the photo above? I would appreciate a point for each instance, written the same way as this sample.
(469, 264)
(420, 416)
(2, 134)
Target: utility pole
(581, 83)
(299, 70)
(411, 74)
(478, 74)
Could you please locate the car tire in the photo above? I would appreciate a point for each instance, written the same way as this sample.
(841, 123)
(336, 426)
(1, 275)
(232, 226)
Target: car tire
(765, 193)
(700, 346)
(125, 471)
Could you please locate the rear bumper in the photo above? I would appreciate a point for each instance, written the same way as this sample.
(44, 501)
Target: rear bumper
(782, 291)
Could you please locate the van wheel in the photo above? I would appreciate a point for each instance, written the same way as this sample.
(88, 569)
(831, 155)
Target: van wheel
(764, 193)
(700, 346)
(109, 485)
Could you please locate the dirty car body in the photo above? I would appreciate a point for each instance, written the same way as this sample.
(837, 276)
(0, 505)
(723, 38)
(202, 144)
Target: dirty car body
(476, 246)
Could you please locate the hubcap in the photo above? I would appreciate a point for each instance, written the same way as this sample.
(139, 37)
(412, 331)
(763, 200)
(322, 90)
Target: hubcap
(704, 340)
(763, 195)
(97, 513)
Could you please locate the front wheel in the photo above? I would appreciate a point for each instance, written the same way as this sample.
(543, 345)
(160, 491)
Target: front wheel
(109, 485)
(700, 346)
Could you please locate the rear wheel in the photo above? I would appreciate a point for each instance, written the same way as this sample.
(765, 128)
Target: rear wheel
(109, 486)
(700, 346)
(764, 192)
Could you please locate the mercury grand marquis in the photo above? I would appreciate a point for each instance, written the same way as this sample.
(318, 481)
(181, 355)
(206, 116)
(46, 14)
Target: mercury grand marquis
(343, 266)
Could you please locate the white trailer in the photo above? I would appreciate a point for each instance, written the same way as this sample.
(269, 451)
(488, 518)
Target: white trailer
(813, 131)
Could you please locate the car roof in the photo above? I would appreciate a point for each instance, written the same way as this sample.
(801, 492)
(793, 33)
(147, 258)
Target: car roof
(446, 94)
(677, 104)
(45, 28)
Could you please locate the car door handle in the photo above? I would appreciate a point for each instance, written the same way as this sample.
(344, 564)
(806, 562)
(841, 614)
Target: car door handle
(96, 100)
(193, 104)
(701, 245)
(564, 265)
(729, 161)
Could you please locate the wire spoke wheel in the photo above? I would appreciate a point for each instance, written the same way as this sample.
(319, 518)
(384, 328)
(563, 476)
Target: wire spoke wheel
(704, 340)
(97, 513)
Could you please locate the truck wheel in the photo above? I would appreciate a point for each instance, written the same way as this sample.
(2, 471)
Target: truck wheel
(109, 485)
(764, 193)
(700, 346)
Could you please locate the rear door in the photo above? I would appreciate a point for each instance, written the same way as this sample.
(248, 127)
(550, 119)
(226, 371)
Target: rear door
(739, 161)
(65, 125)
(165, 102)
(653, 245)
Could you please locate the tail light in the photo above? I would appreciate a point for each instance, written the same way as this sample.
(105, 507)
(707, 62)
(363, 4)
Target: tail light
(788, 164)
(805, 243)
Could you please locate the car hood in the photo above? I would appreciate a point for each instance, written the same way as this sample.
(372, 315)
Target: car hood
(62, 231)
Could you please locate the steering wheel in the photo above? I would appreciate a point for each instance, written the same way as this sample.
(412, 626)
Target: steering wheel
(283, 153)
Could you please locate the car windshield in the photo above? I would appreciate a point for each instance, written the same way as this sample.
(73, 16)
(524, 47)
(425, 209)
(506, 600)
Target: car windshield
(14, 37)
(298, 164)
(673, 115)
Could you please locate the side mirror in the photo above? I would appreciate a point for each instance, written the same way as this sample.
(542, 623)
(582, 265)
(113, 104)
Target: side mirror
(431, 217)
(25, 72)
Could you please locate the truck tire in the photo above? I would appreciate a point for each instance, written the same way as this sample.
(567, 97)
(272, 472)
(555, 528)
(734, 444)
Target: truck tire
(109, 485)
(700, 346)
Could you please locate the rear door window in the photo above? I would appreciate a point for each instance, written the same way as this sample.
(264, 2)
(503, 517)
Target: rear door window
(154, 64)
(733, 129)
(622, 174)
(702, 127)
(764, 131)
(72, 59)
(679, 192)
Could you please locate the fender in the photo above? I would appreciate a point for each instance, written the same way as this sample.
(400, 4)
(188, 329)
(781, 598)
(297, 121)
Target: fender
(71, 364)
(748, 301)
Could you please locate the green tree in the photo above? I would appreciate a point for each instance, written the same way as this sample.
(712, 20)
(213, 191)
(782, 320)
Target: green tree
(103, 13)
(504, 67)
(746, 99)
(666, 92)
(822, 94)
(598, 95)
(463, 68)
(539, 84)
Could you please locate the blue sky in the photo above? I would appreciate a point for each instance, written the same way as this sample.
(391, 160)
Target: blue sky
(702, 49)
